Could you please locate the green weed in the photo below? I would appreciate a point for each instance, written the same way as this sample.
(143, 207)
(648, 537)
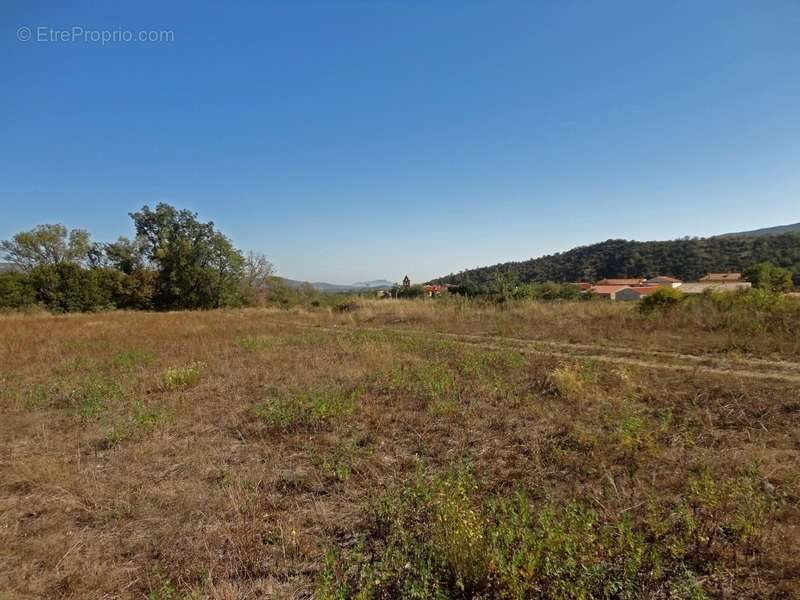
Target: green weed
(257, 343)
(142, 419)
(39, 395)
(438, 539)
(175, 378)
(307, 408)
(337, 462)
(134, 358)
(93, 396)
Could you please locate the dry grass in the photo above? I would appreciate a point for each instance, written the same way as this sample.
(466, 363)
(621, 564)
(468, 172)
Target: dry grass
(225, 454)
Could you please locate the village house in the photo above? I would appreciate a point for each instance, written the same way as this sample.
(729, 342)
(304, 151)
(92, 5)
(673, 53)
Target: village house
(635, 293)
(703, 286)
(623, 282)
(606, 291)
(434, 290)
(628, 289)
(664, 281)
(722, 278)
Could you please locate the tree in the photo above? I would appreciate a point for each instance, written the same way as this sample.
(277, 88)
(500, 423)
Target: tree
(68, 287)
(197, 266)
(16, 291)
(46, 245)
(256, 277)
(126, 255)
(767, 276)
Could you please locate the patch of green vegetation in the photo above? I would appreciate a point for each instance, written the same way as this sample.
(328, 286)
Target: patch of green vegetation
(479, 363)
(636, 431)
(92, 397)
(91, 347)
(337, 462)
(307, 407)
(79, 363)
(163, 589)
(431, 382)
(39, 395)
(439, 538)
(175, 378)
(725, 512)
(570, 380)
(257, 343)
(134, 358)
(142, 419)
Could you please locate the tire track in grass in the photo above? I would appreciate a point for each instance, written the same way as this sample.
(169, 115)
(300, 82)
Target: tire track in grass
(717, 365)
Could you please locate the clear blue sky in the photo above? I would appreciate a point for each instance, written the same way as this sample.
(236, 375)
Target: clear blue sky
(360, 140)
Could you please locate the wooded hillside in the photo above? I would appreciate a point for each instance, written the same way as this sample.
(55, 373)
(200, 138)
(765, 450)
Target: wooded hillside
(687, 259)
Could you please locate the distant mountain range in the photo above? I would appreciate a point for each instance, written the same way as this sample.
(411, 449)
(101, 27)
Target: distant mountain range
(767, 231)
(4, 266)
(687, 259)
(373, 285)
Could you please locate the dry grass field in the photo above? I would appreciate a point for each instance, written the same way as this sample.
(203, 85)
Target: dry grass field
(394, 449)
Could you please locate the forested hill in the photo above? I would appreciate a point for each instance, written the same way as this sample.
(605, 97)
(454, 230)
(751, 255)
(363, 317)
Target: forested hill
(779, 230)
(687, 259)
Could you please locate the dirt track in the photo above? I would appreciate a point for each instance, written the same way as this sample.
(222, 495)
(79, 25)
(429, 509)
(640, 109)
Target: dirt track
(751, 368)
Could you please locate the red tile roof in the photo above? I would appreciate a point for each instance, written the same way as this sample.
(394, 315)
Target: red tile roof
(645, 290)
(722, 277)
(619, 282)
(607, 289)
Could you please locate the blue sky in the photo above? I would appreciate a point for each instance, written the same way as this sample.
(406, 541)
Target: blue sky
(361, 140)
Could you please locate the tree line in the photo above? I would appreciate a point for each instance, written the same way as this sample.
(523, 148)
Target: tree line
(174, 262)
(687, 259)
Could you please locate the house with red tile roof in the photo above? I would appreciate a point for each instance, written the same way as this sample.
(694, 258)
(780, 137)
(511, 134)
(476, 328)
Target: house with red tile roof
(434, 290)
(722, 278)
(612, 281)
(606, 291)
(636, 293)
(664, 280)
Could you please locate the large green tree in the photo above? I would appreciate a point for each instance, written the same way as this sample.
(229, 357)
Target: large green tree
(46, 246)
(196, 265)
(767, 276)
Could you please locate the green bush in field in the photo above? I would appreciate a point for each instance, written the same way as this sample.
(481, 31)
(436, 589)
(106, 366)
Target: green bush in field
(16, 291)
(662, 299)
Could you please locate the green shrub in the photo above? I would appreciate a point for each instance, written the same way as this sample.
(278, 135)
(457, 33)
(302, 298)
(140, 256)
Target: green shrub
(175, 378)
(768, 276)
(16, 291)
(662, 299)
